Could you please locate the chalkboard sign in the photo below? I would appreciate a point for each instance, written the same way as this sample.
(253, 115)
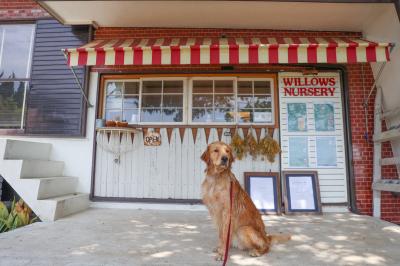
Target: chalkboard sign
(264, 190)
(301, 192)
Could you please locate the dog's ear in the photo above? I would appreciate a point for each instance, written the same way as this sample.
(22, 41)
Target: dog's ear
(231, 157)
(206, 155)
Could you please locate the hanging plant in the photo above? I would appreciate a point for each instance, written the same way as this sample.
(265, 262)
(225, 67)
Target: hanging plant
(238, 145)
(252, 146)
(269, 148)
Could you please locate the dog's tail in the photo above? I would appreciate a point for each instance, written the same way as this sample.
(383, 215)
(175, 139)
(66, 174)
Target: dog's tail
(281, 238)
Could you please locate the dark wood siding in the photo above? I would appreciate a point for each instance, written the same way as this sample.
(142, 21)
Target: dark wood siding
(55, 105)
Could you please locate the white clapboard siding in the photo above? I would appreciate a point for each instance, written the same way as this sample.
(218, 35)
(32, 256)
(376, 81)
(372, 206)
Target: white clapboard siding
(332, 180)
(172, 170)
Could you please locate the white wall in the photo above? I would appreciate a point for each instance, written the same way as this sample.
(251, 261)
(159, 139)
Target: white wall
(386, 27)
(75, 152)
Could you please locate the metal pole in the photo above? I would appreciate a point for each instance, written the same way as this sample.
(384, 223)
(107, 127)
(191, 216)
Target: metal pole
(79, 83)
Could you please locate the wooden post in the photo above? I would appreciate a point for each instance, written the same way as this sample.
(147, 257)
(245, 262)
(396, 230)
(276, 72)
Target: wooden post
(377, 152)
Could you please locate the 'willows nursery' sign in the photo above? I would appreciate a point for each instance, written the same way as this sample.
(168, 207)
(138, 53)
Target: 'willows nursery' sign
(309, 86)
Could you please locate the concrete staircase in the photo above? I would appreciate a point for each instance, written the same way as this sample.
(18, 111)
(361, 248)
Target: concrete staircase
(39, 181)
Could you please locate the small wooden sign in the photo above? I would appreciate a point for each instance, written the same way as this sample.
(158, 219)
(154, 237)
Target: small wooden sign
(152, 138)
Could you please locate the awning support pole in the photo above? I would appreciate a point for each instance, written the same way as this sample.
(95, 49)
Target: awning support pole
(79, 84)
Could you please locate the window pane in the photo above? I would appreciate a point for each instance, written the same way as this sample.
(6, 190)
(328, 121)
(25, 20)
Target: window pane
(114, 102)
(151, 115)
(114, 88)
(151, 101)
(202, 86)
(173, 101)
(202, 101)
(224, 115)
(131, 116)
(173, 86)
(152, 86)
(172, 115)
(114, 115)
(245, 115)
(131, 101)
(224, 101)
(132, 87)
(202, 115)
(262, 116)
(11, 104)
(262, 87)
(245, 101)
(262, 102)
(245, 87)
(223, 86)
(16, 50)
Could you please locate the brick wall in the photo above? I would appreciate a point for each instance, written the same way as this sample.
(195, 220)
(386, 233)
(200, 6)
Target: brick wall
(362, 148)
(20, 10)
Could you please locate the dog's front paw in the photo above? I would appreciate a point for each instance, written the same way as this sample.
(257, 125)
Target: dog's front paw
(217, 250)
(254, 253)
(219, 257)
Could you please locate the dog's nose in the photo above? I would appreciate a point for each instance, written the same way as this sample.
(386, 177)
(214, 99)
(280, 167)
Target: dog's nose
(224, 159)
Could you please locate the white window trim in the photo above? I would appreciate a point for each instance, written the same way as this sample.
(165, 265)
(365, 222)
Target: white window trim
(188, 97)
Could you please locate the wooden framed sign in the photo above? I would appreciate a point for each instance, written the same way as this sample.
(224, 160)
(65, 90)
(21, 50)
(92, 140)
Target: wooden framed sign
(152, 138)
(264, 190)
(301, 192)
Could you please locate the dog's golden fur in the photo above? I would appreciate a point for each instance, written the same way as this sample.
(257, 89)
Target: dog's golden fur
(247, 228)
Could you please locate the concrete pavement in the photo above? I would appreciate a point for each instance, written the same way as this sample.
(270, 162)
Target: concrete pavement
(151, 237)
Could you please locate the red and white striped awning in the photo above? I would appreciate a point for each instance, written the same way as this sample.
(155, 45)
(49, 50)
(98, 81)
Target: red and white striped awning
(191, 51)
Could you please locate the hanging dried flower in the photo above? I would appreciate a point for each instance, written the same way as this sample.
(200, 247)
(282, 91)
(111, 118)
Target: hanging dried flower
(238, 145)
(252, 146)
(269, 148)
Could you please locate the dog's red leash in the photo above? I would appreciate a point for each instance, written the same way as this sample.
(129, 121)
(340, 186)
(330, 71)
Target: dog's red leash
(229, 225)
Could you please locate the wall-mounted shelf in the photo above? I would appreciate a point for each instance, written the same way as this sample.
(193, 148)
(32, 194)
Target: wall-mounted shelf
(390, 185)
(118, 130)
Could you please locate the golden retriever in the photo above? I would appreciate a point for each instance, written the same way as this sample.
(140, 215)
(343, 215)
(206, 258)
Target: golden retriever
(247, 227)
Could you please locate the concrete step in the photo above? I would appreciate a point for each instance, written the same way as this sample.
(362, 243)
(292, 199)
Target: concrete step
(50, 187)
(41, 168)
(70, 204)
(18, 150)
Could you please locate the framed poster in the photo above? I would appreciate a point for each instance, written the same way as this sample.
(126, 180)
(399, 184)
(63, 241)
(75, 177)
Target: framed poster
(326, 151)
(298, 151)
(324, 117)
(264, 190)
(301, 192)
(297, 117)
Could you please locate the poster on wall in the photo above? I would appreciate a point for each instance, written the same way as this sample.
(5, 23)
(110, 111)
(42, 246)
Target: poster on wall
(326, 151)
(301, 192)
(324, 117)
(298, 151)
(264, 190)
(297, 117)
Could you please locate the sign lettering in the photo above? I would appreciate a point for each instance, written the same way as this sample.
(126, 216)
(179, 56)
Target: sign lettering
(306, 86)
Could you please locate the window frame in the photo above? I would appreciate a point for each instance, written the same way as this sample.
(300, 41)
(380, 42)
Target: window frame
(187, 100)
(26, 79)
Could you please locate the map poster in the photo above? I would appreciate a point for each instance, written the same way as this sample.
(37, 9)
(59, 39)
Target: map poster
(298, 151)
(326, 151)
(324, 117)
(297, 117)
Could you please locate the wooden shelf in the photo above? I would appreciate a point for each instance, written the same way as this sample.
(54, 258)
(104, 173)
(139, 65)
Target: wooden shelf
(390, 161)
(118, 129)
(390, 185)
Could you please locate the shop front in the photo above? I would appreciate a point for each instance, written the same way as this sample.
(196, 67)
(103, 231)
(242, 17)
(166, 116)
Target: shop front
(180, 94)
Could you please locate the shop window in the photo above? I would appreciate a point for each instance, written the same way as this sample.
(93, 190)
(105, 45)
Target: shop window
(147, 101)
(222, 100)
(213, 101)
(254, 101)
(16, 44)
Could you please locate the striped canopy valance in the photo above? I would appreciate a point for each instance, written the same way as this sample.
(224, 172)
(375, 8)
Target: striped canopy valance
(191, 51)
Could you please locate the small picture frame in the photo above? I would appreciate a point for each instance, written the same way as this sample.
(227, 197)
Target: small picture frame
(264, 190)
(301, 192)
